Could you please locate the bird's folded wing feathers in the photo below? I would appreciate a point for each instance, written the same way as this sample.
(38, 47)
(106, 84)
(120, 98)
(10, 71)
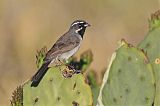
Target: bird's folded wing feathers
(62, 45)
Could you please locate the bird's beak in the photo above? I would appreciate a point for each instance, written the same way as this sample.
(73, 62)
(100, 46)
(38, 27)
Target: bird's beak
(87, 25)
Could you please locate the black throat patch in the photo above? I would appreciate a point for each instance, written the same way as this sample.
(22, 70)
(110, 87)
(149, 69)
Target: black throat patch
(82, 31)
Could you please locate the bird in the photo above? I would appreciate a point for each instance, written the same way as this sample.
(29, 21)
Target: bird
(66, 46)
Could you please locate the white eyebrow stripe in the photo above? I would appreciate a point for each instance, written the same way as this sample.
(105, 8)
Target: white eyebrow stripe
(81, 22)
(77, 23)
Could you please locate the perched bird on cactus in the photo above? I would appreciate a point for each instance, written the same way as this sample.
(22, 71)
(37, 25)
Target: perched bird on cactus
(66, 46)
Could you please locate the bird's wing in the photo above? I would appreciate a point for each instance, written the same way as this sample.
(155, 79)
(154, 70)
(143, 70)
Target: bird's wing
(63, 44)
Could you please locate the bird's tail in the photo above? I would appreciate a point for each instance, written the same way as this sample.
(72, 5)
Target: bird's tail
(39, 74)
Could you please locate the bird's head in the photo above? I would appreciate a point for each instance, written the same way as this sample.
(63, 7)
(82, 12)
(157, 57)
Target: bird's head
(79, 26)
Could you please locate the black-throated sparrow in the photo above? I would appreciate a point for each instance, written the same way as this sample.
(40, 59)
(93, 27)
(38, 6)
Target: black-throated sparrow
(66, 46)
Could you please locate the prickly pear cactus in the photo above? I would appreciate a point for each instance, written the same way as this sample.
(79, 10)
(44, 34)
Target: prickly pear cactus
(17, 97)
(154, 22)
(151, 45)
(40, 56)
(55, 90)
(86, 59)
(95, 86)
(129, 79)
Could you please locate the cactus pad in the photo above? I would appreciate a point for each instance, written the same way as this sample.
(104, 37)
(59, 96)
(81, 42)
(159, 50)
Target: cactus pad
(129, 80)
(55, 90)
(151, 45)
(95, 86)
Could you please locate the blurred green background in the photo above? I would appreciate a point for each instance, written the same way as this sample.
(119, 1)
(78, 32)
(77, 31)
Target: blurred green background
(28, 25)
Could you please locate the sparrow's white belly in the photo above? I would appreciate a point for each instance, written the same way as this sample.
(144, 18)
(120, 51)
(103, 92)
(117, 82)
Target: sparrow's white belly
(69, 53)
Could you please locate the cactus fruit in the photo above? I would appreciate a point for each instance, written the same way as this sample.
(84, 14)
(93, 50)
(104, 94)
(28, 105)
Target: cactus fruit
(151, 45)
(129, 79)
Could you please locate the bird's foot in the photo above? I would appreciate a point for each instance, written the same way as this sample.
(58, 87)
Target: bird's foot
(70, 67)
(70, 71)
(67, 73)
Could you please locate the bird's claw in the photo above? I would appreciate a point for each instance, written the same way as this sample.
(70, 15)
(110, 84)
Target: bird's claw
(70, 72)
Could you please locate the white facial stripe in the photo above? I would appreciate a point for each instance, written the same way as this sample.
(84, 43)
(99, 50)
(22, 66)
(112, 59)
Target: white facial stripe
(77, 23)
(81, 22)
(86, 25)
(78, 30)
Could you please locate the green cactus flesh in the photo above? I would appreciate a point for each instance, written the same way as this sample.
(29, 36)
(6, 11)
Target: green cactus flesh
(86, 59)
(154, 22)
(55, 90)
(151, 45)
(129, 80)
(95, 87)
